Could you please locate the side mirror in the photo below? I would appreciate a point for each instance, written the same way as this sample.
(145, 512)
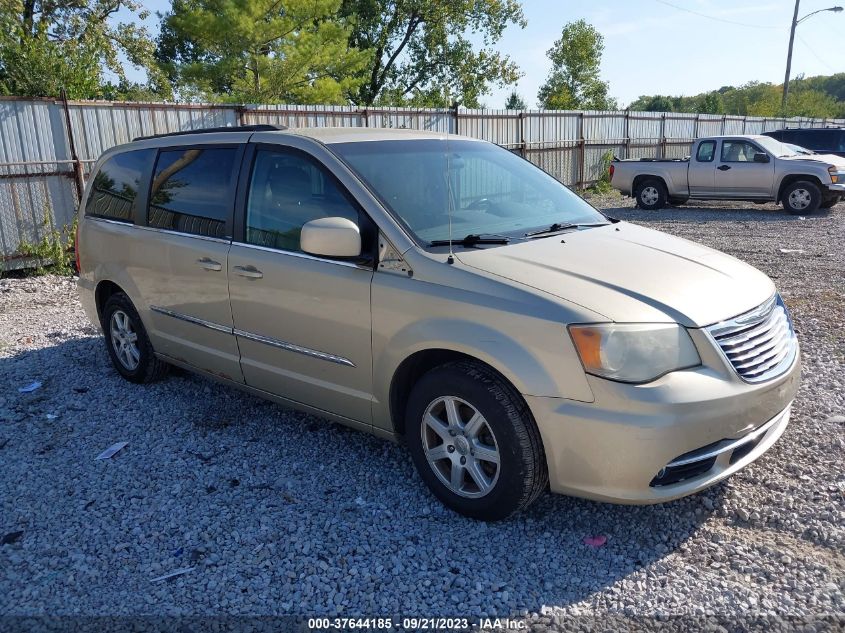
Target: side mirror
(331, 237)
(761, 157)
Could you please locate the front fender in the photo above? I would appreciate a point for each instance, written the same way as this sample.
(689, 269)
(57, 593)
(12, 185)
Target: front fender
(537, 358)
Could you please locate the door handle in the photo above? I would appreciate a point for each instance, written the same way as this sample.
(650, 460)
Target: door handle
(723, 167)
(250, 272)
(209, 264)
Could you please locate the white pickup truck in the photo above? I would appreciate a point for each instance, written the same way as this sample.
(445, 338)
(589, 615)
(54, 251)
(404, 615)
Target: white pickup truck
(753, 168)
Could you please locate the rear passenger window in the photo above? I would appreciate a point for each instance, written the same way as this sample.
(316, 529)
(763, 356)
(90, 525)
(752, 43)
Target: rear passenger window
(706, 151)
(286, 191)
(191, 191)
(114, 190)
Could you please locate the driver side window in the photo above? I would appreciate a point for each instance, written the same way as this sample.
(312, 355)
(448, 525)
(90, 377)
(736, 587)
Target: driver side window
(286, 191)
(738, 152)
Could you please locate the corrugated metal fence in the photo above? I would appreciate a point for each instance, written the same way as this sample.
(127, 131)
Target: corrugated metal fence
(47, 146)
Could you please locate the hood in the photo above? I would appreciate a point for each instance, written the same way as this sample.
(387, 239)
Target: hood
(826, 159)
(629, 273)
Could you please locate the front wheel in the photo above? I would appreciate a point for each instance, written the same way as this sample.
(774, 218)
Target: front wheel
(800, 197)
(474, 441)
(651, 194)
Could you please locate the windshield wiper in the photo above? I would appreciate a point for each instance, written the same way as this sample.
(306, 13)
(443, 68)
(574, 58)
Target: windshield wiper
(557, 227)
(472, 239)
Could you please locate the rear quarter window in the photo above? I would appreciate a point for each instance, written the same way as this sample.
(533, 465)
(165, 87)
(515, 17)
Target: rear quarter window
(115, 186)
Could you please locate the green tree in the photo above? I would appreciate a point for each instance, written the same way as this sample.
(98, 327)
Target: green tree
(421, 54)
(574, 81)
(260, 51)
(47, 45)
(657, 103)
(515, 102)
(710, 103)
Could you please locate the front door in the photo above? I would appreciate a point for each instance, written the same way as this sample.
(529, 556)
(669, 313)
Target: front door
(302, 323)
(738, 176)
(180, 264)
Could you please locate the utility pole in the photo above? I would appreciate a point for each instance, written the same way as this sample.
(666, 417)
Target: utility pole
(795, 23)
(789, 58)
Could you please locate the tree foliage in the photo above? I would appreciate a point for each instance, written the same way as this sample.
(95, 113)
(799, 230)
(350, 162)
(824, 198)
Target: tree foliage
(261, 51)
(421, 54)
(47, 45)
(574, 81)
(819, 97)
(515, 102)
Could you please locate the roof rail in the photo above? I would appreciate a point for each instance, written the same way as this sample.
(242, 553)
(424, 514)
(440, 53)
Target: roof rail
(209, 130)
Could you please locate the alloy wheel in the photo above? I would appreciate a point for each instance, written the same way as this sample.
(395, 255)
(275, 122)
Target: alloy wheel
(460, 447)
(124, 340)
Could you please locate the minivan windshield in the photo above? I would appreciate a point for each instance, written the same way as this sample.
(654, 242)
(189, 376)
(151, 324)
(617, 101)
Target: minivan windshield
(487, 189)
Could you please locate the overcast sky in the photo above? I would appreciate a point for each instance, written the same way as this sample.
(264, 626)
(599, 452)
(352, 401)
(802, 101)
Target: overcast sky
(652, 47)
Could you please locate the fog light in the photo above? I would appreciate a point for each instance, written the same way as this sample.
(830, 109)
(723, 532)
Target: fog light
(661, 472)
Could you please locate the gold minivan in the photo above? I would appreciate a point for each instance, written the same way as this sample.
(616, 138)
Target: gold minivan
(442, 291)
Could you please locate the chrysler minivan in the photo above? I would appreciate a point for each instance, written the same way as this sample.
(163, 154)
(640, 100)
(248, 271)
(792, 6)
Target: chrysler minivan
(441, 291)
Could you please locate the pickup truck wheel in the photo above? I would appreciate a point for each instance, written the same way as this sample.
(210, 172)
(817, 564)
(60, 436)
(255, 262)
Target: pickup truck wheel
(802, 196)
(474, 441)
(651, 194)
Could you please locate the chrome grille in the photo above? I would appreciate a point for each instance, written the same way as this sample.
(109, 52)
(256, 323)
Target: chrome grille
(759, 344)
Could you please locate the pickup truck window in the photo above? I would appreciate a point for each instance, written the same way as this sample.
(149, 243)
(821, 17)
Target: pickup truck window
(738, 152)
(706, 152)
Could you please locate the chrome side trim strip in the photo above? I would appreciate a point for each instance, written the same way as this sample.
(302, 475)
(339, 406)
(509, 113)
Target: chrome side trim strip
(290, 347)
(732, 444)
(109, 220)
(301, 255)
(206, 238)
(184, 317)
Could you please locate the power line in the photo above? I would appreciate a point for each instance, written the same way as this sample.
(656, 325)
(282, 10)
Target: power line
(816, 55)
(716, 19)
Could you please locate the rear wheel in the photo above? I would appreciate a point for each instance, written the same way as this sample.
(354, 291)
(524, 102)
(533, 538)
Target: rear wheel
(127, 342)
(800, 197)
(651, 194)
(474, 441)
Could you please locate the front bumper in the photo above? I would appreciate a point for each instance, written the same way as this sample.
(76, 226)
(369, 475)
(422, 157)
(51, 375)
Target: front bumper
(615, 448)
(837, 189)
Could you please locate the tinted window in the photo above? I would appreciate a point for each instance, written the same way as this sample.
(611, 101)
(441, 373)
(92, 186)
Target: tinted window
(286, 191)
(192, 190)
(114, 190)
(706, 151)
(817, 140)
(738, 152)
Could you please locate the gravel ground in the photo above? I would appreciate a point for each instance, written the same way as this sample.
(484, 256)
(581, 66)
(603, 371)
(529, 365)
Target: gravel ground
(280, 512)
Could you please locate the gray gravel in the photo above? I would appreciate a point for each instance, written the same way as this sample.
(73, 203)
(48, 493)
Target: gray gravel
(280, 512)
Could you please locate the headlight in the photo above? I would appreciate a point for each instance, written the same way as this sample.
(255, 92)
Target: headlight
(633, 352)
(835, 174)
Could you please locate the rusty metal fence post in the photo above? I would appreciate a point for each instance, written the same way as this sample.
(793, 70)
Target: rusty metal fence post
(78, 173)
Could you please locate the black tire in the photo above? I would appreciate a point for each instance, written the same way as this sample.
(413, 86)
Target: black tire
(521, 474)
(796, 193)
(651, 194)
(148, 368)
